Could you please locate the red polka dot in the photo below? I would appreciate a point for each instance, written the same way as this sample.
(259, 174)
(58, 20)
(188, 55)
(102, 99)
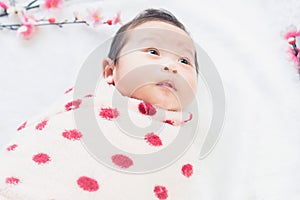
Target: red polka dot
(168, 121)
(72, 134)
(161, 192)
(122, 161)
(73, 105)
(12, 181)
(12, 147)
(41, 158)
(68, 90)
(109, 113)
(187, 170)
(88, 184)
(41, 125)
(146, 109)
(22, 126)
(153, 139)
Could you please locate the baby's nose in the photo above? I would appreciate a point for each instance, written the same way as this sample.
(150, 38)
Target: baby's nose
(170, 69)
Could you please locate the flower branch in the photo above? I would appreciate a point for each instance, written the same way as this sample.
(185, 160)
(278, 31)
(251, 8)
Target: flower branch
(294, 52)
(10, 10)
(15, 27)
(25, 23)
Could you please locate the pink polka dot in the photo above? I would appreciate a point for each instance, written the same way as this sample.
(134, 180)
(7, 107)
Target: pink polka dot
(190, 118)
(187, 170)
(73, 105)
(153, 139)
(68, 90)
(22, 126)
(12, 147)
(109, 113)
(72, 134)
(41, 158)
(88, 184)
(12, 181)
(88, 96)
(122, 161)
(40, 126)
(161, 192)
(168, 121)
(146, 109)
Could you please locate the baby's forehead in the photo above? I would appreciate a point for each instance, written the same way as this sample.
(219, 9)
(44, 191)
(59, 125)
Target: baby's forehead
(170, 40)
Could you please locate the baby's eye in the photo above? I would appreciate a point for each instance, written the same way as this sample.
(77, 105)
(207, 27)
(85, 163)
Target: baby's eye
(153, 51)
(184, 61)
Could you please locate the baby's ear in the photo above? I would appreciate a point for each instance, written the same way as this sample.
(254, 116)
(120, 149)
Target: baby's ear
(107, 67)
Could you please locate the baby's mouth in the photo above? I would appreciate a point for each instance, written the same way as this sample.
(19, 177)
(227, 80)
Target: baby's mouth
(167, 83)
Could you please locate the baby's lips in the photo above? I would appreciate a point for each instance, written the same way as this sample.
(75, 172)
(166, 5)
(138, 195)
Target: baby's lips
(167, 83)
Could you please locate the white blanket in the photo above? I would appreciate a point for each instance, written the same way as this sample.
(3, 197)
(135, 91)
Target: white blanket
(86, 148)
(257, 155)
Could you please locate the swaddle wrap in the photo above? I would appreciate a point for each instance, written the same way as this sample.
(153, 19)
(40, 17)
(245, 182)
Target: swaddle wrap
(51, 158)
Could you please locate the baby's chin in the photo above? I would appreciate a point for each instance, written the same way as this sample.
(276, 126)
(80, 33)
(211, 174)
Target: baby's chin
(168, 107)
(160, 97)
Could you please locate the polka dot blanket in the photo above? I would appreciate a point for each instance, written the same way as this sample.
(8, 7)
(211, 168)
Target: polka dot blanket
(56, 158)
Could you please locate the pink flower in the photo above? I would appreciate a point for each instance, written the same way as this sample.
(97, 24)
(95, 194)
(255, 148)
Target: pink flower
(293, 57)
(26, 31)
(28, 27)
(290, 34)
(116, 19)
(76, 15)
(53, 4)
(79, 17)
(95, 17)
(293, 51)
(3, 5)
(26, 18)
(14, 12)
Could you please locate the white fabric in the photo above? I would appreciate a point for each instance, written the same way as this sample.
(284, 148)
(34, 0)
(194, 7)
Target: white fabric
(257, 155)
(68, 160)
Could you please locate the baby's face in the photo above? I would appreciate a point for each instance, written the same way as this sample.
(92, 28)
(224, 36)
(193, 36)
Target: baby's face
(157, 65)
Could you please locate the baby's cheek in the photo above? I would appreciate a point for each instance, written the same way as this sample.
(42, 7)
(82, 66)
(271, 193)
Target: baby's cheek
(143, 93)
(193, 84)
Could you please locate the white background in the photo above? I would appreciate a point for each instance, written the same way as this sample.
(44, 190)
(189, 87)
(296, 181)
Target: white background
(257, 156)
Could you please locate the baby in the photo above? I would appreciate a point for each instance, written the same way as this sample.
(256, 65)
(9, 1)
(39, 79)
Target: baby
(161, 40)
(150, 77)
